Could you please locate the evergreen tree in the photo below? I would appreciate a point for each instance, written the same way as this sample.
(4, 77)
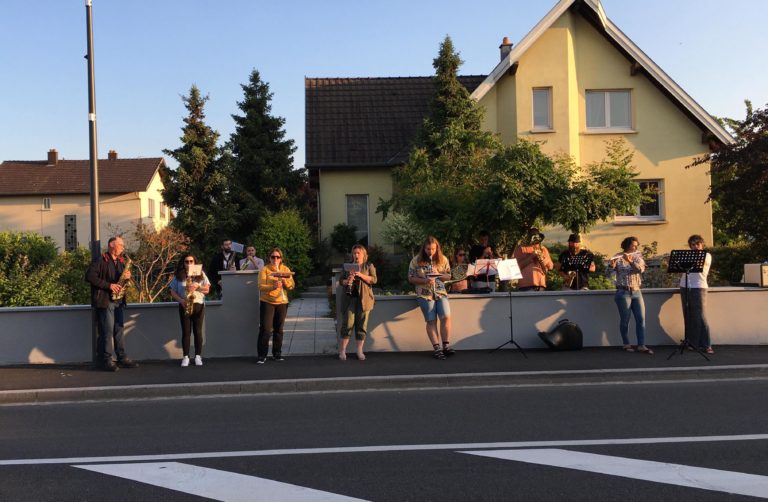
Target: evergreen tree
(261, 157)
(198, 190)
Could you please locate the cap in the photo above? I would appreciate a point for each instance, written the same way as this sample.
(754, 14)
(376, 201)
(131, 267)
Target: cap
(574, 238)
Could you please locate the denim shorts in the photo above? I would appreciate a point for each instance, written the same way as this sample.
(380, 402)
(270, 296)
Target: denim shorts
(434, 308)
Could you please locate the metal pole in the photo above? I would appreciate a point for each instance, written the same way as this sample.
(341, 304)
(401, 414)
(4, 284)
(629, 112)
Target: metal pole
(94, 162)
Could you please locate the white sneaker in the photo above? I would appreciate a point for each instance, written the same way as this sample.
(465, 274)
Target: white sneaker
(198, 361)
(185, 362)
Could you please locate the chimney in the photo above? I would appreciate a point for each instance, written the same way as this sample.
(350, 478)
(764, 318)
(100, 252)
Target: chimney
(505, 48)
(53, 157)
(112, 155)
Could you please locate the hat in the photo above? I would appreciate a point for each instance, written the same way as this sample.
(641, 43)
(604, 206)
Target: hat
(534, 235)
(574, 238)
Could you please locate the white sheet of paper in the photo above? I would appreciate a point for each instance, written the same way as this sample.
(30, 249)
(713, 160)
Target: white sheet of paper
(509, 269)
(351, 267)
(470, 269)
(195, 269)
(237, 247)
(486, 266)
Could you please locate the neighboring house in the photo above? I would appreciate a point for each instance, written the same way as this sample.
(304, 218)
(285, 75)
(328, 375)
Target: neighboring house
(573, 82)
(52, 197)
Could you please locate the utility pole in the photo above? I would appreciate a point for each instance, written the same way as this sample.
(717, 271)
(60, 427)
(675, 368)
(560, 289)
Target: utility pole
(94, 163)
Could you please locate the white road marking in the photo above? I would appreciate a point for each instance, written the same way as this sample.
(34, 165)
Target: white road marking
(384, 448)
(659, 472)
(214, 483)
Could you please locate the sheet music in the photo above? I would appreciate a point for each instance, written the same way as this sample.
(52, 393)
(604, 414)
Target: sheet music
(352, 267)
(195, 269)
(509, 269)
(237, 247)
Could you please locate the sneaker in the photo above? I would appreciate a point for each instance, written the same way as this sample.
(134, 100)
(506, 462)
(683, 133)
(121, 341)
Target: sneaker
(438, 354)
(261, 360)
(448, 351)
(185, 361)
(127, 363)
(278, 357)
(109, 366)
(198, 361)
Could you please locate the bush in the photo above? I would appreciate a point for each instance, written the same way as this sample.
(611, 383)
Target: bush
(343, 237)
(402, 230)
(288, 231)
(73, 265)
(728, 262)
(28, 276)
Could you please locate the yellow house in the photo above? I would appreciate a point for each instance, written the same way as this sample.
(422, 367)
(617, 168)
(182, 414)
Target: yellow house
(573, 82)
(52, 197)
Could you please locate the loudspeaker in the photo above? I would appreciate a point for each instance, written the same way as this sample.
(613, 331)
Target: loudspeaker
(565, 336)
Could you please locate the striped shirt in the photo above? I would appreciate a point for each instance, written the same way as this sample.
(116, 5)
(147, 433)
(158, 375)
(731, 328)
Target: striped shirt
(629, 274)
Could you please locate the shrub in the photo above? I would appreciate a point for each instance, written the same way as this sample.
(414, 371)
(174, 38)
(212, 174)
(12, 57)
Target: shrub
(343, 237)
(288, 231)
(73, 265)
(28, 276)
(728, 262)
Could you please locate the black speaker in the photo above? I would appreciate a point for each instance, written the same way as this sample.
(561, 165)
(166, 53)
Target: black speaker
(565, 336)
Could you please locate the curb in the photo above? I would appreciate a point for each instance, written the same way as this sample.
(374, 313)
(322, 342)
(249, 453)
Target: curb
(377, 383)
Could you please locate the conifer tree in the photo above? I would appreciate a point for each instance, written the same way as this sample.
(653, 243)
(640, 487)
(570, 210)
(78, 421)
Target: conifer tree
(198, 189)
(261, 158)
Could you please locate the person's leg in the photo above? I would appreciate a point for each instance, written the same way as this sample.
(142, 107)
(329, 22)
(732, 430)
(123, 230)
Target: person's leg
(444, 313)
(277, 329)
(104, 324)
(361, 329)
(622, 299)
(198, 317)
(118, 330)
(347, 325)
(638, 311)
(186, 324)
(686, 320)
(267, 313)
(705, 341)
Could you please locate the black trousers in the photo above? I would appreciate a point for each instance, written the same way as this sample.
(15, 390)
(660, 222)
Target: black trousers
(272, 320)
(193, 323)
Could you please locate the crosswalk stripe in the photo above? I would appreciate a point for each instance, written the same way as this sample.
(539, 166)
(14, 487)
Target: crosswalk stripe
(213, 483)
(659, 472)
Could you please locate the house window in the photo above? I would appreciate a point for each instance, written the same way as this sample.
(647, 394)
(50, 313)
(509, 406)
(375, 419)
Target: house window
(609, 110)
(151, 208)
(542, 109)
(162, 210)
(357, 216)
(70, 232)
(46, 203)
(652, 207)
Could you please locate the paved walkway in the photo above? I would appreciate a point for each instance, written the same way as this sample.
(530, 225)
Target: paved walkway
(309, 328)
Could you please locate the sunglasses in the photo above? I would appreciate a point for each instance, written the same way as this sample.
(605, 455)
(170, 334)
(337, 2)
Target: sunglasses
(275, 257)
(189, 261)
(460, 254)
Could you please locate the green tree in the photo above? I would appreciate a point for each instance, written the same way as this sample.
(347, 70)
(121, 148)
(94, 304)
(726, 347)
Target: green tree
(740, 180)
(198, 189)
(73, 265)
(288, 231)
(261, 158)
(28, 275)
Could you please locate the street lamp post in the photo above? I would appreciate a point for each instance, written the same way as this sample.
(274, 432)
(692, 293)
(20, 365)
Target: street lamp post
(94, 162)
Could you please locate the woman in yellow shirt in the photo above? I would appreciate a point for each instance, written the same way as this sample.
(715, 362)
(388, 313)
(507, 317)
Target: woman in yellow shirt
(275, 280)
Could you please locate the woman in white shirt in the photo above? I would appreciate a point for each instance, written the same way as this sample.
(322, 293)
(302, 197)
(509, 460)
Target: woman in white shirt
(696, 325)
(190, 321)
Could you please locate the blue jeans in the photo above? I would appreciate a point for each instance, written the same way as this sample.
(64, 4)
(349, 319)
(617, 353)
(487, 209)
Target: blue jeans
(434, 308)
(696, 325)
(110, 324)
(631, 302)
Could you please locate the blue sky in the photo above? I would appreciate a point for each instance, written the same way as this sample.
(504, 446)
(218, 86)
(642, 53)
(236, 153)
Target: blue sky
(149, 52)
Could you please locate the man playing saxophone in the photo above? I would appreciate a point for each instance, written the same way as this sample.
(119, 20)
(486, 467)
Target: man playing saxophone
(107, 297)
(189, 291)
(534, 262)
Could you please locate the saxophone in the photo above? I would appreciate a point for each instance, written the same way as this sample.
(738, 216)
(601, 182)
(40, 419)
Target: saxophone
(189, 300)
(539, 255)
(124, 280)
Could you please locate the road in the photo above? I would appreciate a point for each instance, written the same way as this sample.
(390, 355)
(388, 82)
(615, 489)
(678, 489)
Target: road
(560, 442)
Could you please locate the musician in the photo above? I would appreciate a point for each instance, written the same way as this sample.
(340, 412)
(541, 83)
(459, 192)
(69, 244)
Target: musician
(226, 259)
(275, 280)
(695, 318)
(459, 271)
(427, 271)
(575, 277)
(358, 302)
(483, 242)
(104, 276)
(251, 261)
(629, 266)
(534, 262)
(185, 288)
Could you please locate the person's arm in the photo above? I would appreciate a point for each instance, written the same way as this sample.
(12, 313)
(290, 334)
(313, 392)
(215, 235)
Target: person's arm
(414, 278)
(266, 283)
(175, 295)
(288, 282)
(370, 278)
(547, 263)
(205, 285)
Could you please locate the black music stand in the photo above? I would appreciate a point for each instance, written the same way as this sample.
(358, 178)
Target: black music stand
(686, 261)
(511, 340)
(578, 263)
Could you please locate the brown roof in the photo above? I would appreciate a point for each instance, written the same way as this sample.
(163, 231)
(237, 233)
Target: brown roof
(366, 122)
(29, 177)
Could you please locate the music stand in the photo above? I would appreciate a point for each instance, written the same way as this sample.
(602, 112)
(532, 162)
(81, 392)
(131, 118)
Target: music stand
(509, 269)
(686, 261)
(578, 263)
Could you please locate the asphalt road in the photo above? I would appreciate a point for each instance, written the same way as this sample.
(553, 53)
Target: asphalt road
(389, 445)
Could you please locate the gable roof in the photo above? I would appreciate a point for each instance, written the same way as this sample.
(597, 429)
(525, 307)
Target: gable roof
(366, 122)
(32, 177)
(593, 11)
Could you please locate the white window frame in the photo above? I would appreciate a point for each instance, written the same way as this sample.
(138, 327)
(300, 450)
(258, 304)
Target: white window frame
(151, 208)
(47, 204)
(549, 127)
(637, 217)
(607, 103)
(367, 216)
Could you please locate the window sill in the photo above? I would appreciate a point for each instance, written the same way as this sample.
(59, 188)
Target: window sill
(541, 131)
(638, 222)
(609, 131)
